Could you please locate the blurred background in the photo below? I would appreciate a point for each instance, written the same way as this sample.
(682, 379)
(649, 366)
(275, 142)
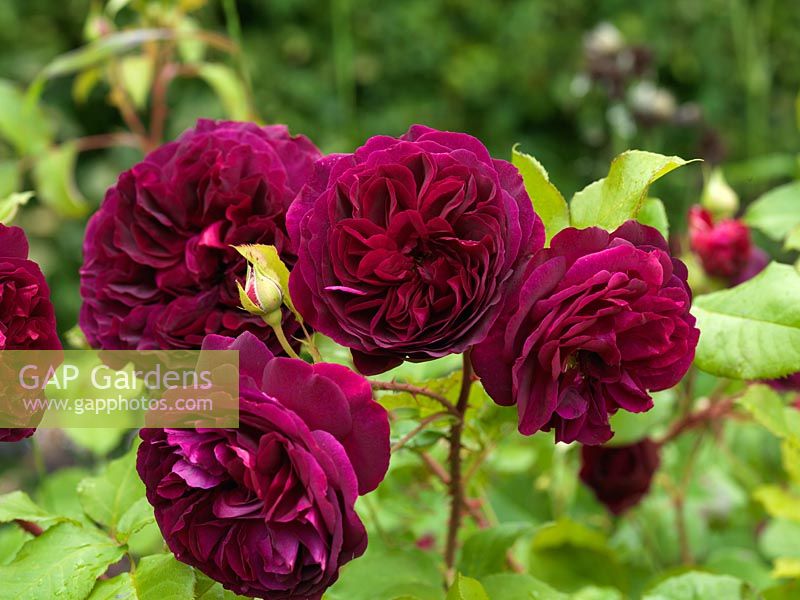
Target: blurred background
(573, 82)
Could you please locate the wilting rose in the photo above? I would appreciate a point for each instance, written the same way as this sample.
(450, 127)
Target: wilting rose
(620, 476)
(27, 319)
(267, 509)
(159, 270)
(600, 320)
(724, 248)
(407, 246)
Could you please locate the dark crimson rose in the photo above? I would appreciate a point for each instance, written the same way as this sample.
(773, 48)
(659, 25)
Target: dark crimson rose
(724, 248)
(620, 476)
(407, 246)
(600, 320)
(267, 509)
(27, 318)
(159, 270)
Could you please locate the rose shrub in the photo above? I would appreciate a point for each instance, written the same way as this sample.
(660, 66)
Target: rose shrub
(267, 509)
(159, 270)
(27, 318)
(600, 320)
(620, 476)
(406, 247)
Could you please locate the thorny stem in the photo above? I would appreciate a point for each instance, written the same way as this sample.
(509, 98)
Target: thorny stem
(710, 414)
(419, 427)
(107, 140)
(415, 390)
(454, 462)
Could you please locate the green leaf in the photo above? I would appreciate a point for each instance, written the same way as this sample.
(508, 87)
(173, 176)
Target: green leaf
(611, 201)
(266, 260)
(382, 569)
(751, 331)
(769, 409)
(778, 502)
(654, 214)
(99, 440)
(54, 175)
(63, 563)
(547, 200)
(116, 588)
(136, 518)
(565, 554)
(10, 205)
(485, 551)
(18, 505)
(136, 73)
(9, 177)
(228, 87)
(515, 586)
(465, 588)
(777, 212)
(701, 586)
(107, 497)
(58, 494)
(12, 539)
(161, 576)
(22, 123)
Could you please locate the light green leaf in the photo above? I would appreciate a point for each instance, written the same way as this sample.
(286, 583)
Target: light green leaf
(266, 260)
(778, 502)
(136, 518)
(63, 563)
(10, 205)
(12, 538)
(485, 551)
(751, 331)
(54, 175)
(792, 241)
(786, 568)
(597, 593)
(777, 212)
(229, 89)
(18, 505)
(116, 588)
(99, 440)
(137, 74)
(701, 586)
(9, 177)
(769, 409)
(547, 200)
(514, 586)
(465, 588)
(611, 201)
(58, 494)
(654, 214)
(161, 576)
(84, 83)
(107, 497)
(22, 123)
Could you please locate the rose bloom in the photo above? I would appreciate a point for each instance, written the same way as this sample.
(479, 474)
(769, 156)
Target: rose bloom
(27, 318)
(407, 246)
(600, 320)
(159, 270)
(620, 476)
(267, 509)
(724, 248)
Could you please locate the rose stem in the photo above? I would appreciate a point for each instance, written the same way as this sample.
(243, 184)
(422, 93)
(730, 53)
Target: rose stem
(284, 342)
(456, 483)
(30, 527)
(414, 390)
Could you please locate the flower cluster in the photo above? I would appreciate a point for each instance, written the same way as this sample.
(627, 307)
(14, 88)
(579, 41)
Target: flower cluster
(600, 320)
(27, 318)
(159, 268)
(267, 509)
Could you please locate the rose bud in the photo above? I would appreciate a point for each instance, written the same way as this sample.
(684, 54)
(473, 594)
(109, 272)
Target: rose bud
(407, 246)
(268, 509)
(718, 196)
(600, 320)
(160, 269)
(724, 248)
(263, 295)
(27, 318)
(620, 476)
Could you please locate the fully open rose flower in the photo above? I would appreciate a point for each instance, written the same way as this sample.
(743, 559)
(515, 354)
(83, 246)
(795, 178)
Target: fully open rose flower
(27, 319)
(159, 270)
(620, 476)
(600, 320)
(267, 509)
(406, 247)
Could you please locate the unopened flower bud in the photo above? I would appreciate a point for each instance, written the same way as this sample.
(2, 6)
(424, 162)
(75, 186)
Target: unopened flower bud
(723, 247)
(262, 294)
(719, 197)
